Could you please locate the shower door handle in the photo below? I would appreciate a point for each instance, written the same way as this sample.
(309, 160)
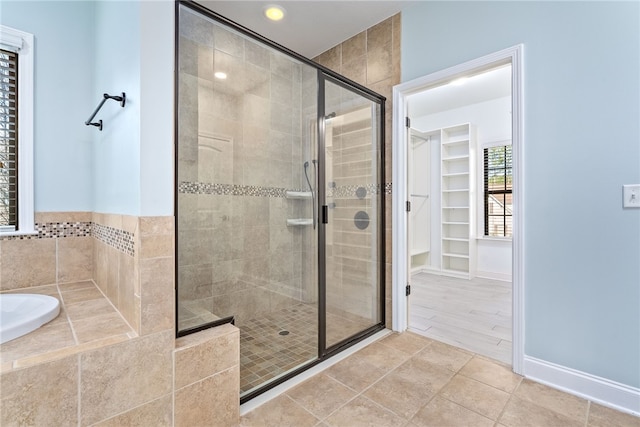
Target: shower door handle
(325, 214)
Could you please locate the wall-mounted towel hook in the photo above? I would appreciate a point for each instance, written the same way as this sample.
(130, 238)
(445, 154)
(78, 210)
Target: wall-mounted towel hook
(121, 99)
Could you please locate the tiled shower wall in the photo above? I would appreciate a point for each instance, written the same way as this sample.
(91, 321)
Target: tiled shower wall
(240, 149)
(372, 58)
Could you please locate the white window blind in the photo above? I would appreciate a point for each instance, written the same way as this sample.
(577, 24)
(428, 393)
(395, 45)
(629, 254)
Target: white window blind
(8, 139)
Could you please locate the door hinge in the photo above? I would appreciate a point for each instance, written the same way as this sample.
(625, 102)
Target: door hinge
(408, 206)
(408, 290)
(407, 122)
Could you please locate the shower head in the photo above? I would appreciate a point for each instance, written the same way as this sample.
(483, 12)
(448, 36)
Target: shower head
(306, 165)
(330, 116)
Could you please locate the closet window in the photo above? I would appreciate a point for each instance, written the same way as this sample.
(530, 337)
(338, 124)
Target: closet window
(16, 132)
(498, 191)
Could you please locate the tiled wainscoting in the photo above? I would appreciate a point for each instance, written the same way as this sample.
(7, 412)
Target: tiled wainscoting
(110, 270)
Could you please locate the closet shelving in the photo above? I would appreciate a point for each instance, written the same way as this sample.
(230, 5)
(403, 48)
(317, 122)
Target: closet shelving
(457, 156)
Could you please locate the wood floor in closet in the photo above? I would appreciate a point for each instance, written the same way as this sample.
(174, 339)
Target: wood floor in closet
(472, 314)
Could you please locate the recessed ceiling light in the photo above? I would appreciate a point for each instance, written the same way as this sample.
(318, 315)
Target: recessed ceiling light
(274, 12)
(220, 75)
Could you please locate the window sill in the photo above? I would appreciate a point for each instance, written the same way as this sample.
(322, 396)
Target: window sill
(18, 233)
(496, 238)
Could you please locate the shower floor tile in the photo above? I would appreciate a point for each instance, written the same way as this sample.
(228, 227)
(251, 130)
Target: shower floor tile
(281, 341)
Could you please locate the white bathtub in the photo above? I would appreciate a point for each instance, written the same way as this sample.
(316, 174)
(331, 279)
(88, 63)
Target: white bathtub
(23, 313)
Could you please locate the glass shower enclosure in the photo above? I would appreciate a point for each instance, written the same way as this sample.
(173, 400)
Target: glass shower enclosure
(279, 202)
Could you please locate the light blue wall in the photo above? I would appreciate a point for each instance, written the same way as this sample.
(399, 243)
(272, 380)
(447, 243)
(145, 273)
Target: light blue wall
(63, 80)
(582, 143)
(116, 150)
(85, 49)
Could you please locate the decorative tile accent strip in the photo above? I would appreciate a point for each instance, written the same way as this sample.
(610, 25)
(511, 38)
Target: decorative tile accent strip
(54, 230)
(229, 189)
(350, 191)
(186, 187)
(121, 240)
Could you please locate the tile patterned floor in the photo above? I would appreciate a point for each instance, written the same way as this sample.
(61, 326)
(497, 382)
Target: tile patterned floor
(283, 340)
(408, 380)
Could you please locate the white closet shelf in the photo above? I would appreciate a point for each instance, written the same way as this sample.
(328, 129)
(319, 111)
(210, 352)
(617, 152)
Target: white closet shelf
(456, 239)
(455, 207)
(452, 255)
(458, 190)
(456, 141)
(455, 223)
(448, 175)
(452, 158)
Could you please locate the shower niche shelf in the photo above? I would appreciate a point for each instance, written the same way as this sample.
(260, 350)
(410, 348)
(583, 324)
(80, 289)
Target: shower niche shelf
(297, 194)
(298, 222)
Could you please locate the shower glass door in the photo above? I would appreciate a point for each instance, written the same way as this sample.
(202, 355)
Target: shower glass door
(278, 202)
(351, 203)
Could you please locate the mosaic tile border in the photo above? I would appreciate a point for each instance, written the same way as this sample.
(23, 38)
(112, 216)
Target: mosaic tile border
(55, 230)
(229, 189)
(186, 187)
(122, 240)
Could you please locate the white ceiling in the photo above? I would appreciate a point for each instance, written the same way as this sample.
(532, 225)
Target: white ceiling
(309, 27)
(492, 84)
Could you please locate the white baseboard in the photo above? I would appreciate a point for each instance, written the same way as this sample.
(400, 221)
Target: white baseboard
(495, 276)
(600, 390)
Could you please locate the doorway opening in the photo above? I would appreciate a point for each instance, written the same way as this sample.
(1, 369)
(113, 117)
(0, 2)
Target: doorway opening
(457, 243)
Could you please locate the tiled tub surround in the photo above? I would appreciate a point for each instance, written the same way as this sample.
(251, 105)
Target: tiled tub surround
(87, 320)
(62, 251)
(91, 365)
(147, 381)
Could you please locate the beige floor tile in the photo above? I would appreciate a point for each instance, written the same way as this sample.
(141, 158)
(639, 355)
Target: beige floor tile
(381, 356)
(522, 413)
(355, 373)
(364, 412)
(407, 342)
(491, 373)
(321, 395)
(601, 416)
(443, 413)
(563, 403)
(445, 355)
(476, 396)
(279, 412)
(409, 387)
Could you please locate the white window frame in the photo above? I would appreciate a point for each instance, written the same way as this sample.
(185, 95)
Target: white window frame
(23, 43)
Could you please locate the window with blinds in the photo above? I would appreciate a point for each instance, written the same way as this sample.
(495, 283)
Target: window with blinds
(8, 139)
(498, 191)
